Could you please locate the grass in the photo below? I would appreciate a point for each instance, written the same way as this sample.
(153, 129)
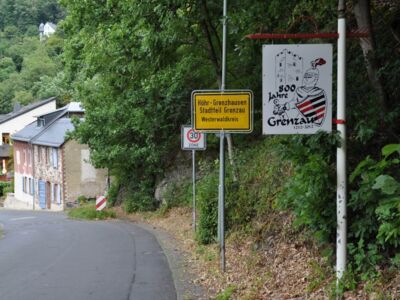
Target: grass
(226, 294)
(88, 212)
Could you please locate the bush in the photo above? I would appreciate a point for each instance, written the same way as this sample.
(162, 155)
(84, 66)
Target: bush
(310, 191)
(112, 193)
(261, 175)
(88, 212)
(82, 199)
(139, 198)
(375, 206)
(207, 200)
(5, 187)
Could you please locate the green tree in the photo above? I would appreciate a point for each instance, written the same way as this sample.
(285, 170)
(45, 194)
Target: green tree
(6, 67)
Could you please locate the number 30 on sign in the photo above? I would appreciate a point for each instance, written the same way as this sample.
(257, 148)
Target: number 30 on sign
(191, 139)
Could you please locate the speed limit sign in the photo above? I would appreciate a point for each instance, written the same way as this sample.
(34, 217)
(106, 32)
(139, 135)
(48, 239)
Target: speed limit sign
(191, 139)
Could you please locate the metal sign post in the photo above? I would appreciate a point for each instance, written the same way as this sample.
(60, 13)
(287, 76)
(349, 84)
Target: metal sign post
(221, 200)
(193, 140)
(222, 150)
(222, 112)
(194, 190)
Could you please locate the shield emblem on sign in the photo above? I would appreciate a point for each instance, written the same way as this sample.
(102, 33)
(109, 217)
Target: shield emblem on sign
(314, 107)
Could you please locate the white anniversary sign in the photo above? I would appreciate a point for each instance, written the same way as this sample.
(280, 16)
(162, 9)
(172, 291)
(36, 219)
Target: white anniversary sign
(297, 88)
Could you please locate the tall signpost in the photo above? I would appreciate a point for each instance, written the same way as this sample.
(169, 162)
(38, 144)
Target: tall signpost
(221, 190)
(228, 111)
(193, 140)
(222, 112)
(341, 192)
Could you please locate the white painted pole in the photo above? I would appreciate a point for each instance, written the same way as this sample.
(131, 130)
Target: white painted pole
(341, 193)
(194, 190)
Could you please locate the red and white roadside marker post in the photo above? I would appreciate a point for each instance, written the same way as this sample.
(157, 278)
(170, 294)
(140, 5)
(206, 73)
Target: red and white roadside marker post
(101, 203)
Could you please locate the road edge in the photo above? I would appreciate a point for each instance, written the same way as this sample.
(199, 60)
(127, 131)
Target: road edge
(183, 279)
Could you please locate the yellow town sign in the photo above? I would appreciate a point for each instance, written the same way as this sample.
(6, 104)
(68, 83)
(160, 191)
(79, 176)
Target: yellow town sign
(229, 111)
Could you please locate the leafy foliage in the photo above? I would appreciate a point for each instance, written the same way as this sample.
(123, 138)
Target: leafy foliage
(310, 190)
(261, 178)
(375, 206)
(26, 64)
(133, 64)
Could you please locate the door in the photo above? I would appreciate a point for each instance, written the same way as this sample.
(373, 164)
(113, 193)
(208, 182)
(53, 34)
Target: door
(42, 194)
(48, 195)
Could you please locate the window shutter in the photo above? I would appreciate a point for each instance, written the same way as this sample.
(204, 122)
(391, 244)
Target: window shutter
(59, 194)
(55, 158)
(33, 186)
(52, 192)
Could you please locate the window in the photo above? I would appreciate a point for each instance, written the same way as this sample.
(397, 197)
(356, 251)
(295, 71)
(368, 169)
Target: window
(47, 149)
(39, 153)
(54, 157)
(24, 157)
(6, 138)
(30, 157)
(41, 122)
(24, 184)
(18, 157)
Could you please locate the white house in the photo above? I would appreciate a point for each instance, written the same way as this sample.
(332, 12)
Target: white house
(18, 119)
(45, 30)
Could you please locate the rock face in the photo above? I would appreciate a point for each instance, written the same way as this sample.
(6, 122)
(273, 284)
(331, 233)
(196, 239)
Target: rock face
(179, 170)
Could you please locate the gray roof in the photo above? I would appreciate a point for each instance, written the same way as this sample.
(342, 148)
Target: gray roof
(54, 135)
(24, 109)
(27, 133)
(72, 107)
(4, 150)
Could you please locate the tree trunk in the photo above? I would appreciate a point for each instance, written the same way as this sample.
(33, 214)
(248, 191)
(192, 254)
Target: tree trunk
(230, 156)
(362, 12)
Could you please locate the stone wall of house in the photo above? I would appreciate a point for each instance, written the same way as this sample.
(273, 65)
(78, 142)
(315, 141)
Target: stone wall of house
(80, 177)
(50, 171)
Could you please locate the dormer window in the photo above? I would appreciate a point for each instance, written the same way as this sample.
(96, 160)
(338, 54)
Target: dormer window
(41, 122)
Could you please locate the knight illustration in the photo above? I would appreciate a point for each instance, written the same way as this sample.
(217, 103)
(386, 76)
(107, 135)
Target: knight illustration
(309, 100)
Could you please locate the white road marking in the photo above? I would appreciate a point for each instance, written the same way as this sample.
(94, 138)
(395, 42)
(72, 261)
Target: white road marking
(22, 218)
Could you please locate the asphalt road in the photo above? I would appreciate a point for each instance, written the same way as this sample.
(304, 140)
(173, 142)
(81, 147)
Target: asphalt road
(47, 256)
